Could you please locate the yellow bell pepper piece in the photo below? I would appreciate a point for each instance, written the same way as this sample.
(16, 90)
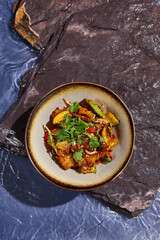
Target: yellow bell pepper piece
(60, 117)
(110, 117)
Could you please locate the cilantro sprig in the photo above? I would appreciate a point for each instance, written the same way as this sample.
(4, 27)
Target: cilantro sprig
(77, 155)
(93, 142)
(107, 158)
(74, 107)
(74, 130)
(50, 139)
(101, 138)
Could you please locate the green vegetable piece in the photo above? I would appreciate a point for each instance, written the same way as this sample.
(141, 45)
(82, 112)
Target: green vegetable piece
(107, 158)
(77, 155)
(95, 167)
(111, 118)
(93, 142)
(74, 107)
(96, 108)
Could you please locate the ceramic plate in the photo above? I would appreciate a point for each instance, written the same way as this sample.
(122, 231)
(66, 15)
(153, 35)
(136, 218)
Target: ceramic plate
(44, 162)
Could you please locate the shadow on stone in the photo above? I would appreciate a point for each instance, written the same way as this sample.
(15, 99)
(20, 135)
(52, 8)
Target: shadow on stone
(25, 184)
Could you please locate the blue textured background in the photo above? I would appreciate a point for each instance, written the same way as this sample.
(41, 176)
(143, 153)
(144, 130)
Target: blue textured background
(32, 208)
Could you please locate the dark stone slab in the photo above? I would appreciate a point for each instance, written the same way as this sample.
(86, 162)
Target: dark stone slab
(37, 21)
(118, 46)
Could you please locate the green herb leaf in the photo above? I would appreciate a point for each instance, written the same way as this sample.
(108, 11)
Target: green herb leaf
(88, 135)
(74, 107)
(62, 135)
(90, 125)
(97, 128)
(101, 138)
(69, 140)
(66, 115)
(68, 120)
(94, 142)
(73, 129)
(50, 140)
(84, 124)
(107, 158)
(62, 125)
(77, 155)
(85, 140)
(79, 140)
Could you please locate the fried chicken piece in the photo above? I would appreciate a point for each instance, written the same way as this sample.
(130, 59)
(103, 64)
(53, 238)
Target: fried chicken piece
(67, 161)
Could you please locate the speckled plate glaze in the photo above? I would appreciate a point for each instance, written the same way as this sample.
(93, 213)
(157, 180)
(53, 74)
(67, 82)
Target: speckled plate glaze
(44, 162)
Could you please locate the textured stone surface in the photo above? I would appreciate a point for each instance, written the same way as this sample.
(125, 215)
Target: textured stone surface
(37, 21)
(117, 46)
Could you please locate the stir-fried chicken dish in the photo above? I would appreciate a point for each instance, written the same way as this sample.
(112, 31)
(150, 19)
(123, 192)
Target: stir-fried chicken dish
(81, 135)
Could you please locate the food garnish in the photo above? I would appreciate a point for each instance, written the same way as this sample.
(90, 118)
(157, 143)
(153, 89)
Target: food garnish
(81, 135)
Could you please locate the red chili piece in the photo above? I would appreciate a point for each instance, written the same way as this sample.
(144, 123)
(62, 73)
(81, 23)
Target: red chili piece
(91, 130)
(95, 128)
(105, 152)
